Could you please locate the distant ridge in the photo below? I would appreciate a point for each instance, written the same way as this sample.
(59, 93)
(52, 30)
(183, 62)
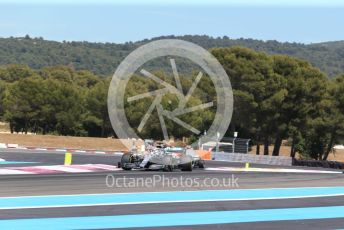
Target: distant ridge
(103, 58)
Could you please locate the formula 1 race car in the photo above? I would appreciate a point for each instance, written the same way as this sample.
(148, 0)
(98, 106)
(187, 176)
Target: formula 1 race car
(166, 158)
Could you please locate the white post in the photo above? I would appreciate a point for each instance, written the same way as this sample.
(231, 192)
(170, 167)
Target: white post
(247, 145)
(217, 141)
(233, 145)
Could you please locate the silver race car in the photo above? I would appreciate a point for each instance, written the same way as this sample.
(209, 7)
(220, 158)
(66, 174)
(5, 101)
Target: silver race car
(162, 158)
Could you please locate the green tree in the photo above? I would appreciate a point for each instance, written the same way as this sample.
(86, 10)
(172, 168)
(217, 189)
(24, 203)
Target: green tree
(22, 103)
(96, 118)
(258, 92)
(2, 96)
(15, 72)
(306, 87)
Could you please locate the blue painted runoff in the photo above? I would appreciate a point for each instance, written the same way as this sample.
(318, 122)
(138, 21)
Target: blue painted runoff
(175, 219)
(160, 197)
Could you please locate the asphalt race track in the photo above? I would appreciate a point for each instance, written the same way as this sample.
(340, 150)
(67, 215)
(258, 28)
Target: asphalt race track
(224, 196)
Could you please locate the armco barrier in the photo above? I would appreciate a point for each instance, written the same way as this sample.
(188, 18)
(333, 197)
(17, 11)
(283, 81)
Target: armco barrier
(250, 158)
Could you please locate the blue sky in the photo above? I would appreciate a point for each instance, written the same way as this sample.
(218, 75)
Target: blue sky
(120, 21)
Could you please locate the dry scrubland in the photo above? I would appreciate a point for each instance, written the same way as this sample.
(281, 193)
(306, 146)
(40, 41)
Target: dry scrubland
(63, 142)
(104, 144)
(285, 151)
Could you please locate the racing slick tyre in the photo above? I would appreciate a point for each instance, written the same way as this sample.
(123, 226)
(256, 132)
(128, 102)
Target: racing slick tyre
(201, 164)
(167, 162)
(186, 165)
(126, 158)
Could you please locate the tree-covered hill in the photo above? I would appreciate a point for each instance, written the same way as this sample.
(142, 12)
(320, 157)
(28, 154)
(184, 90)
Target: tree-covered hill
(276, 98)
(103, 58)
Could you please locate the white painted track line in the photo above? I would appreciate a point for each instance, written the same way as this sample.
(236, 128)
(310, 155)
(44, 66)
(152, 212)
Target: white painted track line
(13, 172)
(277, 170)
(63, 168)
